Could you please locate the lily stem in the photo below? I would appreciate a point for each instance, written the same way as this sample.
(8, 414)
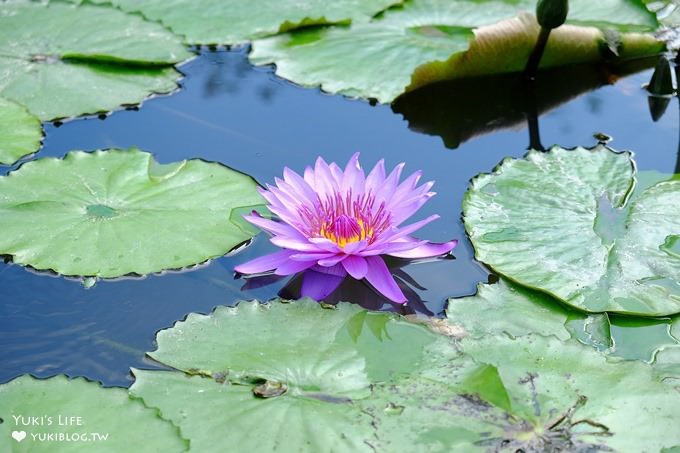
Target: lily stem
(531, 69)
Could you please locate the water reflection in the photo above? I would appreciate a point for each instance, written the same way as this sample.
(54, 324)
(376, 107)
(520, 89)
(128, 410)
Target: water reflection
(459, 110)
(226, 73)
(358, 292)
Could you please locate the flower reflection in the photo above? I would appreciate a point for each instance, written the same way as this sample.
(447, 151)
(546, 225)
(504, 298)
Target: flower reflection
(356, 291)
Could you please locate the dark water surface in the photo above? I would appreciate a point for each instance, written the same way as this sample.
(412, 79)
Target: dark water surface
(248, 119)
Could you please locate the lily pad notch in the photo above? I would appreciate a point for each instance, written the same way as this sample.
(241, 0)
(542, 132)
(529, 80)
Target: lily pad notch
(571, 223)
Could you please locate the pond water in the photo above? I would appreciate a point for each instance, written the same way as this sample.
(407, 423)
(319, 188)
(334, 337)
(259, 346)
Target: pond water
(250, 120)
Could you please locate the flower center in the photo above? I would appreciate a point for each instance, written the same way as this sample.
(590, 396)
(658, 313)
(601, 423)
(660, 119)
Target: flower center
(344, 230)
(345, 219)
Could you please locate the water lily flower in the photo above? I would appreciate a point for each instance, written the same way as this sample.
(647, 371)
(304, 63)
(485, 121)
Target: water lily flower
(334, 223)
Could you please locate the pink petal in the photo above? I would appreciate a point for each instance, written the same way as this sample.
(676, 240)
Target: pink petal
(427, 250)
(380, 277)
(355, 266)
(318, 285)
(264, 263)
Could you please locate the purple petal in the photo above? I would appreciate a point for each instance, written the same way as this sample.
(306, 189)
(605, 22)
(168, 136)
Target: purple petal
(299, 184)
(325, 185)
(376, 177)
(356, 266)
(408, 229)
(407, 209)
(326, 244)
(353, 177)
(355, 247)
(293, 267)
(380, 277)
(308, 176)
(273, 227)
(332, 261)
(427, 250)
(386, 190)
(301, 192)
(306, 256)
(318, 285)
(336, 171)
(264, 263)
(294, 244)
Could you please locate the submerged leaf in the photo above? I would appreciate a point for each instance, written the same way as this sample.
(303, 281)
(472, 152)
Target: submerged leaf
(564, 222)
(78, 415)
(112, 213)
(60, 60)
(20, 132)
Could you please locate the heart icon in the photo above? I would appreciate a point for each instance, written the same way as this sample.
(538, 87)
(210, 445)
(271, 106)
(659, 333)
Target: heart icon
(19, 435)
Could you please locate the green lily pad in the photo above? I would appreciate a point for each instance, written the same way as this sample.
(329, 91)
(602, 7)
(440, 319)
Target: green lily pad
(117, 212)
(516, 311)
(572, 396)
(428, 40)
(60, 414)
(20, 132)
(520, 311)
(232, 22)
(300, 367)
(60, 60)
(255, 369)
(563, 222)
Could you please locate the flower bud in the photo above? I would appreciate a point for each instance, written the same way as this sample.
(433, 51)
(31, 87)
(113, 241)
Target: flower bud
(552, 13)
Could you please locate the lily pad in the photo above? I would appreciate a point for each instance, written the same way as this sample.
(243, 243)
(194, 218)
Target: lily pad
(254, 369)
(232, 22)
(117, 212)
(78, 416)
(517, 311)
(428, 40)
(295, 365)
(60, 60)
(564, 222)
(521, 311)
(20, 132)
(573, 397)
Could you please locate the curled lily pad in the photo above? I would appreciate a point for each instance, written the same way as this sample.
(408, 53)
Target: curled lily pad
(430, 40)
(567, 223)
(77, 415)
(60, 60)
(20, 132)
(117, 212)
(237, 21)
